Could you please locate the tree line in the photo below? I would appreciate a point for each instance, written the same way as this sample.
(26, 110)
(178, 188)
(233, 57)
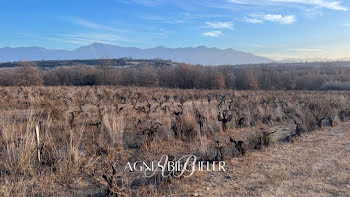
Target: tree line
(178, 75)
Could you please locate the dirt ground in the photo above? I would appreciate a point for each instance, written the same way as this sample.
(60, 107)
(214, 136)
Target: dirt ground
(315, 164)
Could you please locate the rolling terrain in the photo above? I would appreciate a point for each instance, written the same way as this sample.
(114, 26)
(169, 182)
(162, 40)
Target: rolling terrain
(191, 55)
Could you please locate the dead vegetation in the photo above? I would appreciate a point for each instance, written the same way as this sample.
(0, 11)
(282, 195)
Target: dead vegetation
(86, 130)
(159, 73)
(315, 165)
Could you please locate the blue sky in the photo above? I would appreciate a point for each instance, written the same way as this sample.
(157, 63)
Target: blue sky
(273, 28)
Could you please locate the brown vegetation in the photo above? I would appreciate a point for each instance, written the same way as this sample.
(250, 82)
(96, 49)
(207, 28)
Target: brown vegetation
(26, 74)
(175, 75)
(315, 165)
(86, 130)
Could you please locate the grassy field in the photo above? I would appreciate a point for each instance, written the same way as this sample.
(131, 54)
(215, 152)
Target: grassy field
(84, 131)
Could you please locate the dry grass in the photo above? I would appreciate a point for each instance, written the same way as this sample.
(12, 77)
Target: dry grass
(317, 164)
(86, 130)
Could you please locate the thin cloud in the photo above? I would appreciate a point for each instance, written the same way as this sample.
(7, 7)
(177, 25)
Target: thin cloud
(239, 1)
(333, 5)
(276, 18)
(213, 34)
(220, 25)
(253, 20)
(88, 38)
(279, 18)
(165, 20)
(93, 25)
(304, 50)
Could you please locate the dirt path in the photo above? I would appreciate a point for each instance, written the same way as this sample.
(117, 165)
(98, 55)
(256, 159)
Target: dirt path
(316, 164)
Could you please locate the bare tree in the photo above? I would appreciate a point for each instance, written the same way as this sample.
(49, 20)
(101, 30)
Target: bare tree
(247, 80)
(28, 74)
(105, 68)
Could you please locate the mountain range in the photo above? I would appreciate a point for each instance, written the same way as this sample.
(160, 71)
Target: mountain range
(191, 55)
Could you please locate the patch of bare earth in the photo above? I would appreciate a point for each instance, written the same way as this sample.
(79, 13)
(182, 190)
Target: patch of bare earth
(315, 164)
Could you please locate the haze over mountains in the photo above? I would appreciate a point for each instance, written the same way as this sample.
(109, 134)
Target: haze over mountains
(198, 55)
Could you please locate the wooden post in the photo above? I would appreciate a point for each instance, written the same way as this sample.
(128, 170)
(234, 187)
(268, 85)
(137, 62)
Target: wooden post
(37, 142)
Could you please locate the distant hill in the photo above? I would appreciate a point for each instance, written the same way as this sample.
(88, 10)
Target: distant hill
(191, 55)
(47, 64)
